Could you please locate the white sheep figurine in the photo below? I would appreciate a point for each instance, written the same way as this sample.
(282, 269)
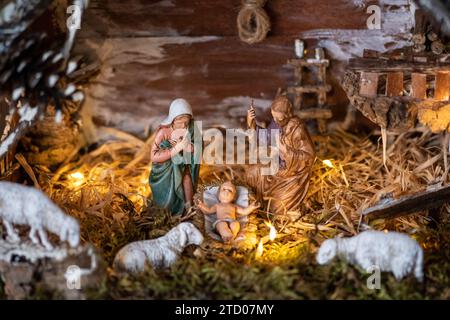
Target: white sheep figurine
(29, 206)
(389, 251)
(158, 253)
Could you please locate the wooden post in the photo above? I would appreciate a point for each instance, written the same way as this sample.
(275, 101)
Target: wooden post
(298, 70)
(419, 85)
(2, 167)
(320, 54)
(394, 84)
(322, 125)
(368, 84)
(441, 90)
(315, 113)
(298, 100)
(322, 74)
(445, 150)
(321, 98)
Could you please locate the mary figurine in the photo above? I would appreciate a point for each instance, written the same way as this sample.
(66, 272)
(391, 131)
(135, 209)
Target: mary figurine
(176, 159)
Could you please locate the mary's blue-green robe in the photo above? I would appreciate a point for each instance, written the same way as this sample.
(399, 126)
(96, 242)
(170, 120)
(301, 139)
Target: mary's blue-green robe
(166, 179)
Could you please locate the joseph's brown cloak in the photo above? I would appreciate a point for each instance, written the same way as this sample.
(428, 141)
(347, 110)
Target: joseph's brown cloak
(286, 189)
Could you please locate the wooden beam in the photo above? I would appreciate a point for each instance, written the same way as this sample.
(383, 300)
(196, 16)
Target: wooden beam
(394, 84)
(310, 89)
(205, 17)
(419, 85)
(379, 65)
(368, 53)
(442, 88)
(314, 113)
(368, 84)
(390, 208)
(309, 62)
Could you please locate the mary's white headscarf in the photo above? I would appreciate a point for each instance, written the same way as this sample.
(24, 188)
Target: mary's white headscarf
(178, 107)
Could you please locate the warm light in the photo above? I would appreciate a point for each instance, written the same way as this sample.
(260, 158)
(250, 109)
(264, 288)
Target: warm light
(259, 250)
(78, 178)
(328, 163)
(77, 175)
(272, 232)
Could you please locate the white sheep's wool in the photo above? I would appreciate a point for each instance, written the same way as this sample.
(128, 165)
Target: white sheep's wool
(158, 253)
(389, 251)
(29, 206)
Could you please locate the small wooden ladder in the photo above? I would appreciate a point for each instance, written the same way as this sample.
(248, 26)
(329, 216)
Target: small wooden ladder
(318, 65)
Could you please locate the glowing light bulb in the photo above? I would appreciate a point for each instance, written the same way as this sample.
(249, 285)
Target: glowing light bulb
(328, 163)
(77, 175)
(78, 178)
(259, 249)
(272, 232)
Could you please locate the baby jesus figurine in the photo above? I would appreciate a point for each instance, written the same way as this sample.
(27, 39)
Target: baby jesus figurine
(226, 224)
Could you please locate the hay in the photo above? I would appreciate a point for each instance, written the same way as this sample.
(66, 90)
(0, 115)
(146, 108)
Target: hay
(103, 193)
(110, 197)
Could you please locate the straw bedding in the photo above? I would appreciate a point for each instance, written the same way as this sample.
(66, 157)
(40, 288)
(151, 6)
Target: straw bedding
(107, 190)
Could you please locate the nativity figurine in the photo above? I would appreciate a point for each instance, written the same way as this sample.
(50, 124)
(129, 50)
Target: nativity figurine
(175, 156)
(286, 189)
(28, 206)
(227, 224)
(157, 253)
(390, 251)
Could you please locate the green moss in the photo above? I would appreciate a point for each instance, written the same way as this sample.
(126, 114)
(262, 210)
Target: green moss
(296, 275)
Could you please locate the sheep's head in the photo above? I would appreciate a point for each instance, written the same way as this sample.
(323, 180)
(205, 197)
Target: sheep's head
(327, 251)
(70, 232)
(194, 236)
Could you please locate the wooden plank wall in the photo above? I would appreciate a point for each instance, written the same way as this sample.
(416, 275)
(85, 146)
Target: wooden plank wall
(3, 113)
(205, 17)
(155, 51)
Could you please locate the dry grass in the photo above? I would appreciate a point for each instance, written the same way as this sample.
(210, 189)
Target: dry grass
(107, 191)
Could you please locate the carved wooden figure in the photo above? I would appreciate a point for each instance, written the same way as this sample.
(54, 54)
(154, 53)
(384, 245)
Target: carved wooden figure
(288, 187)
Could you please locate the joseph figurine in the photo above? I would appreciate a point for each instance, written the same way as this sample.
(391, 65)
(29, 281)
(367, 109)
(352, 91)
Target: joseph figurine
(288, 187)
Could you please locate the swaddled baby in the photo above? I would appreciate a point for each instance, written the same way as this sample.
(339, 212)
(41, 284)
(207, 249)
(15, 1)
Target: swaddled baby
(226, 224)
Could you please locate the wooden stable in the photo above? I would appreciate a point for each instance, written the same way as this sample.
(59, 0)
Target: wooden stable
(395, 85)
(391, 88)
(426, 80)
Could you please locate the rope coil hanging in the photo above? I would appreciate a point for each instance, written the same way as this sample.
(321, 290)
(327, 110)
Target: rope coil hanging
(253, 22)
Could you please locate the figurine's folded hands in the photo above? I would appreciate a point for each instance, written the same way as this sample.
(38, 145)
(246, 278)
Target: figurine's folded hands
(183, 145)
(189, 148)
